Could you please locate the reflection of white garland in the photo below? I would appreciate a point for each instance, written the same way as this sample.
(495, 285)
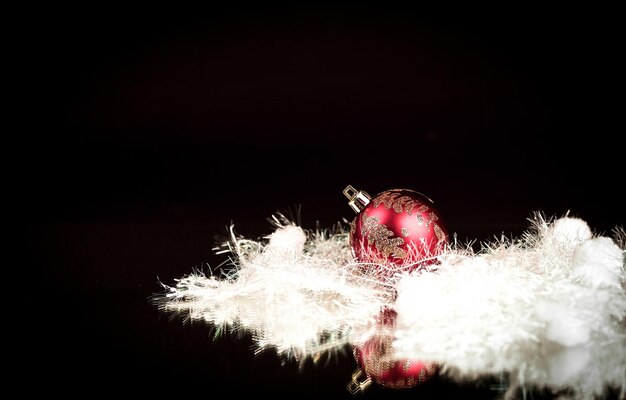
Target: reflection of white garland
(548, 309)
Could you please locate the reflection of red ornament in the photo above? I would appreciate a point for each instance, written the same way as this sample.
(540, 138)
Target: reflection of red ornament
(399, 227)
(376, 362)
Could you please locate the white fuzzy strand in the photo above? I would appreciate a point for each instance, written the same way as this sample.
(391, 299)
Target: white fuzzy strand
(300, 295)
(548, 310)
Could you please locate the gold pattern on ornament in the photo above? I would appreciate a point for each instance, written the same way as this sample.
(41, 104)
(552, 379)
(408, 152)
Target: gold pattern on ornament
(374, 364)
(405, 232)
(401, 383)
(399, 202)
(431, 368)
(441, 236)
(433, 218)
(381, 237)
(426, 218)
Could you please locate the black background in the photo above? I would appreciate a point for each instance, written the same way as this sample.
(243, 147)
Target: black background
(149, 131)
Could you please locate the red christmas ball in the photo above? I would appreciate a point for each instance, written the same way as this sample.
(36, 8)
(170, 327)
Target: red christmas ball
(400, 228)
(376, 359)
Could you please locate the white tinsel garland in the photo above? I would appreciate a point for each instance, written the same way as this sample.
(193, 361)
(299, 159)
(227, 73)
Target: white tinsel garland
(300, 295)
(548, 309)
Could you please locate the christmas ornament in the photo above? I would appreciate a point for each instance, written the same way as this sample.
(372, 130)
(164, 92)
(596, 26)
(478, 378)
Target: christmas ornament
(379, 364)
(399, 229)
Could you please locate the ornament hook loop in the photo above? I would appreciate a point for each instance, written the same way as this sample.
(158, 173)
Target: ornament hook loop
(358, 385)
(358, 198)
